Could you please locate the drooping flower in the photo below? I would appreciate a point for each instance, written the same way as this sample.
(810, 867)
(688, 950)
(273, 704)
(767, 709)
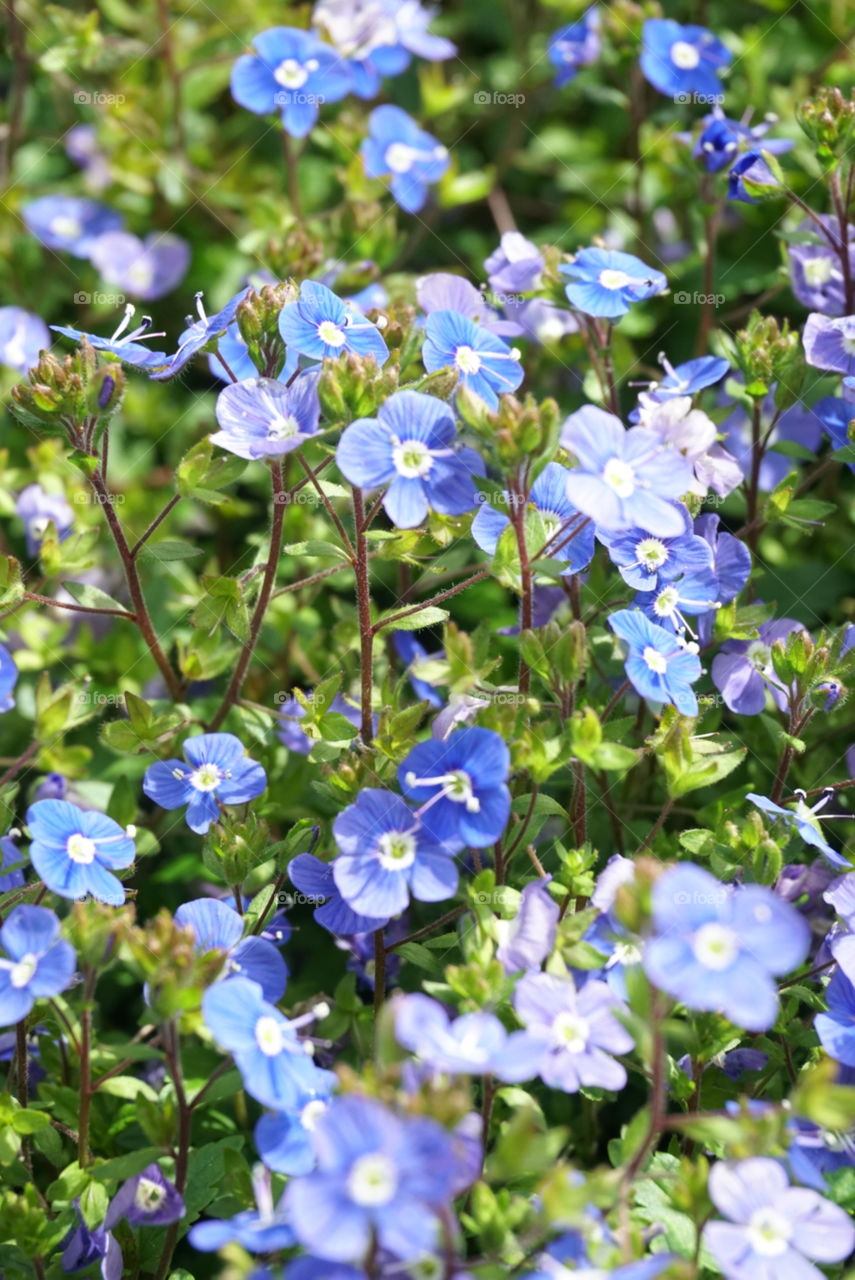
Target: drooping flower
(202, 334)
(575, 46)
(273, 1062)
(8, 679)
(686, 379)
(719, 948)
(804, 821)
(292, 72)
(461, 785)
(11, 873)
(409, 446)
(125, 346)
(75, 851)
(38, 509)
(23, 336)
(411, 652)
(379, 1177)
(472, 1044)
(284, 1137)
(146, 269)
(386, 855)
(731, 559)
(516, 266)
(743, 671)
(148, 1199)
(217, 926)
(753, 179)
(830, 343)
(315, 880)
(291, 712)
(527, 940)
(319, 325)
(605, 282)
(35, 963)
(721, 141)
(683, 62)
(219, 773)
(772, 1229)
(579, 1030)
(624, 479)
(260, 417)
(484, 364)
(83, 1246)
(570, 542)
(658, 666)
(69, 223)
(397, 147)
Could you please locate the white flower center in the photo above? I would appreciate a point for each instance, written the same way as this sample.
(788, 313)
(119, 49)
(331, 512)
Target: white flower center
(66, 226)
(571, 1032)
(291, 74)
(140, 273)
(656, 661)
(620, 477)
(282, 426)
(467, 360)
(21, 974)
(459, 788)
(268, 1036)
(652, 553)
(331, 333)
(311, 1113)
(81, 849)
(372, 1181)
(685, 56)
(818, 270)
(400, 158)
(206, 778)
(149, 1195)
(396, 850)
(625, 953)
(412, 459)
(849, 346)
(759, 655)
(715, 946)
(665, 604)
(769, 1232)
(610, 278)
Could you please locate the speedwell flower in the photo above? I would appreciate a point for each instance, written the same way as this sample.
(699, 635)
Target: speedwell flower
(658, 666)
(290, 71)
(461, 785)
(75, 851)
(683, 61)
(35, 962)
(578, 1030)
(483, 363)
(217, 926)
(145, 269)
(218, 773)
(70, 223)
(319, 325)
(566, 541)
(606, 283)
(261, 417)
(23, 336)
(397, 147)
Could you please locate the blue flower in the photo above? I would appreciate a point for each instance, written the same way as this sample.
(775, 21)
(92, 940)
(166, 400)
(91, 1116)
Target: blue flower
(148, 1199)
(528, 939)
(647, 563)
(721, 140)
(731, 559)
(473, 1044)
(36, 963)
(145, 269)
(23, 336)
(396, 145)
(291, 71)
(386, 855)
(39, 509)
(461, 784)
(829, 343)
(379, 1178)
(199, 335)
(123, 345)
(10, 856)
(578, 1030)
(606, 283)
(816, 276)
(575, 46)
(75, 851)
(836, 414)
(291, 712)
(409, 446)
(671, 603)
(83, 1246)
(284, 1138)
(8, 679)
(624, 479)
(217, 926)
(264, 1229)
(658, 666)
(516, 266)
(484, 364)
(70, 223)
(743, 671)
(261, 417)
(319, 325)
(752, 179)
(379, 38)
(314, 879)
(412, 652)
(683, 62)
(568, 537)
(272, 1060)
(803, 821)
(221, 774)
(687, 379)
(719, 948)
(442, 291)
(772, 1229)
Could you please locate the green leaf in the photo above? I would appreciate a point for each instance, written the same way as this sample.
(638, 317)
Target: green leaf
(127, 1166)
(91, 597)
(430, 616)
(314, 547)
(169, 549)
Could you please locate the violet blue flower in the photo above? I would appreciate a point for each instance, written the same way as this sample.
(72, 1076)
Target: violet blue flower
(683, 62)
(574, 47)
(743, 672)
(69, 223)
(23, 337)
(605, 282)
(484, 364)
(147, 1200)
(572, 543)
(35, 962)
(658, 665)
(319, 325)
(528, 939)
(219, 773)
(398, 148)
(290, 71)
(471, 1044)
(461, 785)
(146, 269)
(76, 851)
(39, 509)
(579, 1030)
(315, 880)
(260, 417)
(216, 926)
